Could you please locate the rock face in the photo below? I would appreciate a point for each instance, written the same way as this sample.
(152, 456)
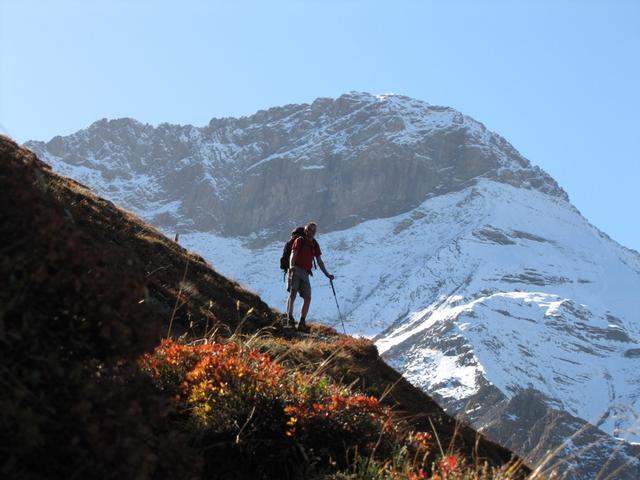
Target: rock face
(479, 280)
(338, 161)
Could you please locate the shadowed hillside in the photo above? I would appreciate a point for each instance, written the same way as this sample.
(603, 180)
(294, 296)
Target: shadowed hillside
(88, 289)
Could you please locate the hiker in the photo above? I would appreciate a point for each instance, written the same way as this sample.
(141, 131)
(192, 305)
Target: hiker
(304, 252)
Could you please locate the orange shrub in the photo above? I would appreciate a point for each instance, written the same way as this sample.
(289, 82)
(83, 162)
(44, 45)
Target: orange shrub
(242, 398)
(241, 393)
(218, 384)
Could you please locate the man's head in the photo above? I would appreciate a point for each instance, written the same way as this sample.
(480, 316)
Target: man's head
(310, 229)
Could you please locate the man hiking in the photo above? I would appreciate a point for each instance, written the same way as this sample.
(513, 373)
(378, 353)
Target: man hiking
(303, 252)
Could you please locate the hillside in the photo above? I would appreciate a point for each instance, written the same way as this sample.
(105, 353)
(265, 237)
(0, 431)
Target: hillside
(88, 289)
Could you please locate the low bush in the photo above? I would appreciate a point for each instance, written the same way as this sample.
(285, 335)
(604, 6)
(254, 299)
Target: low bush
(240, 396)
(258, 419)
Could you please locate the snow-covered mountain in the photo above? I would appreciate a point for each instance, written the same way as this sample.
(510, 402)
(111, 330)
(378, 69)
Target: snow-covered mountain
(338, 161)
(479, 280)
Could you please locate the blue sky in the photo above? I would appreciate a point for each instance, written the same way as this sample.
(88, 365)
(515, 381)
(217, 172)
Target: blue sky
(559, 79)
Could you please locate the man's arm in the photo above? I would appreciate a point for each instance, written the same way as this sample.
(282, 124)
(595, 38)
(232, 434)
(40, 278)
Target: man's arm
(323, 268)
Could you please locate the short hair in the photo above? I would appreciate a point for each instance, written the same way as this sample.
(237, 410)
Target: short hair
(309, 225)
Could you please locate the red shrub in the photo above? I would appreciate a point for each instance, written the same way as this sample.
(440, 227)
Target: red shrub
(242, 394)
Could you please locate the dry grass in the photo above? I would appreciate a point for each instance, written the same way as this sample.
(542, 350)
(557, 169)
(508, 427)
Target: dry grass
(356, 362)
(432, 455)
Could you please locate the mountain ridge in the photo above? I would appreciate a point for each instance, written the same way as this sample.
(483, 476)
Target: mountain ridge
(215, 173)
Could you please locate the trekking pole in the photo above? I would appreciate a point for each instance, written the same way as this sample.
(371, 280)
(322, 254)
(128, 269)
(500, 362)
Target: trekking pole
(339, 313)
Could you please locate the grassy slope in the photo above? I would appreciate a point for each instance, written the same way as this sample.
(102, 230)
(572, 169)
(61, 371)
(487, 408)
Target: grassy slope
(88, 288)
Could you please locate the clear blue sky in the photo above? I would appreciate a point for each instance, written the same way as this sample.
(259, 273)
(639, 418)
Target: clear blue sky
(559, 79)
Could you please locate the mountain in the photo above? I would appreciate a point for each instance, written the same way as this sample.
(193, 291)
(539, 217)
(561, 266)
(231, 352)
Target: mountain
(340, 161)
(478, 279)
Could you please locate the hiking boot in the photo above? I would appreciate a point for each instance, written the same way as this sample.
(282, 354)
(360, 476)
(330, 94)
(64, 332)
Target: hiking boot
(288, 322)
(302, 327)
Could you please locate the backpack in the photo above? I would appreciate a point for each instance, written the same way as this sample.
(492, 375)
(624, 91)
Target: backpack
(286, 250)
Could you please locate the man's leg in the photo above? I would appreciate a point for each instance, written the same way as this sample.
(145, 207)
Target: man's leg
(306, 297)
(305, 306)
(290, 302)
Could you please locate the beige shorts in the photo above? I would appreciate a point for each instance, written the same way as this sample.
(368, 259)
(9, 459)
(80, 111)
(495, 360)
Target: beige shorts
(299, 282)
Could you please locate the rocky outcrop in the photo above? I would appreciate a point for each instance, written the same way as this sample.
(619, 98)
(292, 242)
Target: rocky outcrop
(554, 440)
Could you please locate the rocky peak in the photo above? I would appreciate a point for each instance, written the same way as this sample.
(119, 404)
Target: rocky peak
(339, 161)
